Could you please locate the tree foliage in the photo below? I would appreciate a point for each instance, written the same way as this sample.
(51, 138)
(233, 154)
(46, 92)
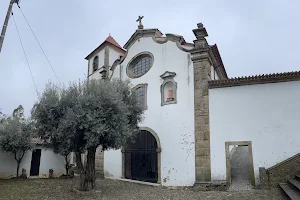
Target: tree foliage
(63, 145)
(15, 135)
(86, 115)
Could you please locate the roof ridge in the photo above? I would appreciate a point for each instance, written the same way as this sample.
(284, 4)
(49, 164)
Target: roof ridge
(217, 54)
(279, 74)
(111, 40)
(256, 79)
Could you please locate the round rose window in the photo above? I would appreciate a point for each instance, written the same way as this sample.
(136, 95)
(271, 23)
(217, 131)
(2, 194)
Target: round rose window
(140, 65)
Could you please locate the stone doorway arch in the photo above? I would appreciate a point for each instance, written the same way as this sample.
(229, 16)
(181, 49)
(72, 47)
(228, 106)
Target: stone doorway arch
(141, 160)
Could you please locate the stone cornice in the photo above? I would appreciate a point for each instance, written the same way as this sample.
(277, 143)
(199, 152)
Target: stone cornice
(113, 67)
(118, 62)
(258, 79)
(141, 33)
(98, 70)
(178, 39)
(210, 53)
(168, 74)
(169, 37)
(199, 54)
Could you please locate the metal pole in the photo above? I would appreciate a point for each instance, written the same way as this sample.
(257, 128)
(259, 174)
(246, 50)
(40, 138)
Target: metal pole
(6, 22)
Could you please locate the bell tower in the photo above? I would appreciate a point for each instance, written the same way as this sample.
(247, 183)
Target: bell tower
(103, 57)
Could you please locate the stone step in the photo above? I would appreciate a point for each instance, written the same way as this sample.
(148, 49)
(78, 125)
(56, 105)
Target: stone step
(290, 192)
(297, 177)
(295, 183)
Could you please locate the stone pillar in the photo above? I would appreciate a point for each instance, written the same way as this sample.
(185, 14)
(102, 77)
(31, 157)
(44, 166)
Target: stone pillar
(104, 71)
(263, 176)
(106, 60)
(99, 162)
(202, 69)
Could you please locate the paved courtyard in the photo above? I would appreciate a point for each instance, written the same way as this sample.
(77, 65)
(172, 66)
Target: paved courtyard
(47, 189)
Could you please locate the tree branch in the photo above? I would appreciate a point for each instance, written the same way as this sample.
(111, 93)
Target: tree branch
(15, 154)
(22, 155)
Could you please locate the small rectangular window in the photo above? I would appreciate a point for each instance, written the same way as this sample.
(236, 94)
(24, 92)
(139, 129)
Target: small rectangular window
(141, 93)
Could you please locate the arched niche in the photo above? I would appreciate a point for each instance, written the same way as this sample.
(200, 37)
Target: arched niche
(168, 89)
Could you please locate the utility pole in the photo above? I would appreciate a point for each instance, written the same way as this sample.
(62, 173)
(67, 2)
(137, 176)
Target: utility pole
(6, 21)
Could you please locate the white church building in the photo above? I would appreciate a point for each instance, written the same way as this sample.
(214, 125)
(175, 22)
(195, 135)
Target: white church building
(199, 125)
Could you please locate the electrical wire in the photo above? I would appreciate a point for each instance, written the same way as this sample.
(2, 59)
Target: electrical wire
(25, 54)
(39, 44)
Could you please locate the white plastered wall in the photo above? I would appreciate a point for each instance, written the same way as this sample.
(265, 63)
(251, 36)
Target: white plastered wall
(114, 55)
(213, 74)
(49, 160)
(96, 74)
(174, 123)
(268, 115)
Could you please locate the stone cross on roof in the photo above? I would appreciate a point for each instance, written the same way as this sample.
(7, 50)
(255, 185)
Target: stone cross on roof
(140, 22)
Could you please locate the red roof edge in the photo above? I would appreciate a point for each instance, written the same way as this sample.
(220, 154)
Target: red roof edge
(108, 40)
(39, 140)
(256, 79)
(216, 52)
(187, 43)
(113, 41)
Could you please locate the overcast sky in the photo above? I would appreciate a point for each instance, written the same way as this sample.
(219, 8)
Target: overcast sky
(253, 37)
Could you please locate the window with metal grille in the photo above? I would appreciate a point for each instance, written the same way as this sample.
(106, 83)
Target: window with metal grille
(141, 94)
(141, 158)
(140, 65)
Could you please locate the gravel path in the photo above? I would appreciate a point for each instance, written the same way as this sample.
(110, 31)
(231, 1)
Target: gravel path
(55, 189)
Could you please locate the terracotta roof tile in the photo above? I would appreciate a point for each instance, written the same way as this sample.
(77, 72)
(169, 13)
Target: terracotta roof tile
(39, 141)
(111, 41)
(257, 79)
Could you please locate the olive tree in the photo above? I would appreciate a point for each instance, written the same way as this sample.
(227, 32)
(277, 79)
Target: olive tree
(15, 135)
(89, 114)
(62, 145)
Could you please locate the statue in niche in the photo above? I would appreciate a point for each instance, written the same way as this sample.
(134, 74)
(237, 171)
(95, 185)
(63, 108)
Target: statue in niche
(170, 95)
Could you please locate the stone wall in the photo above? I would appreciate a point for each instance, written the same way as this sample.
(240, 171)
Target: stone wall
(99, 163)
(202, 135)
(201, 58)
(280, 172)
(265, 114)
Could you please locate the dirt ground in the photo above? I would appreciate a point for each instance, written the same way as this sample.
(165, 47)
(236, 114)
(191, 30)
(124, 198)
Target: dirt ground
(59, 189)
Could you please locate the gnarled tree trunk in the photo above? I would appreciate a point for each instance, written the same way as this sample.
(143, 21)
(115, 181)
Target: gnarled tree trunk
(79, 164)
(67, 166)
(88, 175)
(19, 158)
(18, 167)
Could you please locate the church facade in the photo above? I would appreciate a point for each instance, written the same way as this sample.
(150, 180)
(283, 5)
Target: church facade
(195, 118)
